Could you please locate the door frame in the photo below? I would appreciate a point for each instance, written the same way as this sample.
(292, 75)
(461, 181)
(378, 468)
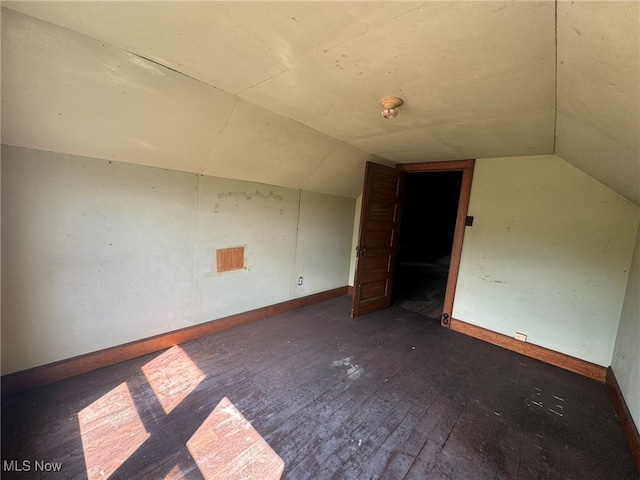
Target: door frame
(466, 167)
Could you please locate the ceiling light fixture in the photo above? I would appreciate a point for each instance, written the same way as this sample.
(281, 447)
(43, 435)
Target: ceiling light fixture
(390, 104)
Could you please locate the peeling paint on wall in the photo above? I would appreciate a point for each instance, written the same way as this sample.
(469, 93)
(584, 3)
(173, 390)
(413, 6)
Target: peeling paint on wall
(250, 195)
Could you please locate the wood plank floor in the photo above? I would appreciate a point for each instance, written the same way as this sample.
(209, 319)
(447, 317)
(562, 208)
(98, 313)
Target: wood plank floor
(388, 395)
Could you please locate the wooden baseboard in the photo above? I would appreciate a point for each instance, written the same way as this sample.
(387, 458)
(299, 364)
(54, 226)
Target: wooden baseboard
(552, 357)
(629, 428)
(53, 372)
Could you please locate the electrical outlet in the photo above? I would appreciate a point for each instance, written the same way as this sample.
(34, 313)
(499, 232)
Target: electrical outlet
(521, 336)
(299, 280)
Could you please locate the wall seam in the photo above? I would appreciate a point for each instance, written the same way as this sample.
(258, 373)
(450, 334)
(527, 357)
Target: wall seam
(293, 292)
(555, 87)
(195, 251)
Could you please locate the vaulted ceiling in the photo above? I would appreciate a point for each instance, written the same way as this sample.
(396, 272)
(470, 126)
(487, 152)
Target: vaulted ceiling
(286, 93)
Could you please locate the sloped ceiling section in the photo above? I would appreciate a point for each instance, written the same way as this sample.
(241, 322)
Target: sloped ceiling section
(598, 117)
(286, 93)
(70, 93)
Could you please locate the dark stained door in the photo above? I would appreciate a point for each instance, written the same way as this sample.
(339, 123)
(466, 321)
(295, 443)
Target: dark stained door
(378, 236)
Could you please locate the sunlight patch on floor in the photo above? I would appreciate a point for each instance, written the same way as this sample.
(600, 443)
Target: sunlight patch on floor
(174, 474)
(227, 446)
(172, 376)
(111, 430)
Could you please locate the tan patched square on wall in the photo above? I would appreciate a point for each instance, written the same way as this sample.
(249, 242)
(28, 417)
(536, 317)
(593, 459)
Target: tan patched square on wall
(228, 259)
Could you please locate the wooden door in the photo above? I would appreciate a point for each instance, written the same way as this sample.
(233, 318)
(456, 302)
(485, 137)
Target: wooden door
(378, 236)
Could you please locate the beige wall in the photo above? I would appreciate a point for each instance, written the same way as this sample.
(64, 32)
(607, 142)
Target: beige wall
(98, 253)
(325, 223)
(548, 255)
(354, 241)
(626, 355)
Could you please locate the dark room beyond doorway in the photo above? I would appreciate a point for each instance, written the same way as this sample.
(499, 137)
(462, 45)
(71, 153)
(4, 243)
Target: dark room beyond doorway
(426, 238)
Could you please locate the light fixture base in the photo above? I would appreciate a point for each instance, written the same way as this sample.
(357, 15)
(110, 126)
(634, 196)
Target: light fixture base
(390, 103)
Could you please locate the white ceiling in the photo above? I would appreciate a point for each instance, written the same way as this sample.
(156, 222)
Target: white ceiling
(286, 93)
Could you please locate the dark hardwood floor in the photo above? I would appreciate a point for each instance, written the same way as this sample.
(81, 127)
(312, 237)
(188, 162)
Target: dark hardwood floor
(387, 395)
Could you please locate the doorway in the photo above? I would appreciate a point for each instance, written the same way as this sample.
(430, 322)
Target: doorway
(427, 229)
(378, 234)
